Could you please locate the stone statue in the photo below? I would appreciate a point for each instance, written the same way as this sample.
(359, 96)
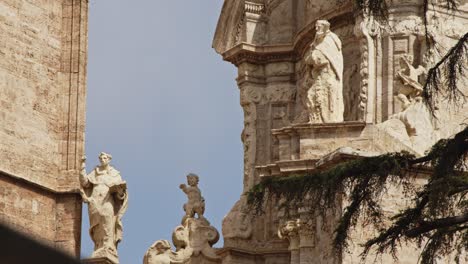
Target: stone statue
(413, 124)
(193, 239)
(106, 195)
(325, 74)
(408, 74)
(195, 203)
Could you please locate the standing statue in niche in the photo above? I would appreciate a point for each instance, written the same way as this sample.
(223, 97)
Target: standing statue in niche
(106, 195)
(195, 203)
(325, 73)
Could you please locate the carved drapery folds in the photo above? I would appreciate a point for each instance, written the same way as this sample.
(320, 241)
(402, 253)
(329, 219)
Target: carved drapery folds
(324, 76)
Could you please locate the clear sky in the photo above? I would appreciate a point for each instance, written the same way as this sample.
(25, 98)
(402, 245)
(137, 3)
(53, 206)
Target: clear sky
(164, 104)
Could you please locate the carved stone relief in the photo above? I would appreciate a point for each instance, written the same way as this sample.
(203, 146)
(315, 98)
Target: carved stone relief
(418, 129)
(366, 29)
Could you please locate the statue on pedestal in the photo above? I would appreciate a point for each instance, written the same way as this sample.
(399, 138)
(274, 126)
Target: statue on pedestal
(194, 238)
(195, 203)
(324, 76)
(106, 195)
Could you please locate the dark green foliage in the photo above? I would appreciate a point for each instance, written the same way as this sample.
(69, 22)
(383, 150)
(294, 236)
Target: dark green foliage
(446, 74)
(438, 218)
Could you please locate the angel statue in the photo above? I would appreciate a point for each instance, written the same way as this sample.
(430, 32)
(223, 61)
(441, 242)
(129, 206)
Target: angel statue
(106, 195)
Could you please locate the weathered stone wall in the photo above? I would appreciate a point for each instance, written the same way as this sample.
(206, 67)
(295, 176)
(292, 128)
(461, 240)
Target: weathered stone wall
(48, 217)
(43, 57)
(42, 80)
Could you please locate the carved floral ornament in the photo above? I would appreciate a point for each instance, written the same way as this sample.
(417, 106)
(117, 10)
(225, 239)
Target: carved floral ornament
(260, 95)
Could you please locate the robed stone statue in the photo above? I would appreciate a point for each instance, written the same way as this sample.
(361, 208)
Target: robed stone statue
(324, 61)
(106, 195)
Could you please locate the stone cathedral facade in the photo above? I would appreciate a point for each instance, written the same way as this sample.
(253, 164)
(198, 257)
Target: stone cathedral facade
(290, 55)
(383, 68)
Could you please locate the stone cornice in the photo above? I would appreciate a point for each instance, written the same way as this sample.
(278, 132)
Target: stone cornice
(284, 168)
(37, 185)
(236, 251)
(262, 54)
(245, 52)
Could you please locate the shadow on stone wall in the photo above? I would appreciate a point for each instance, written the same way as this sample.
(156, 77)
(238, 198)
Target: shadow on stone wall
(16, 248)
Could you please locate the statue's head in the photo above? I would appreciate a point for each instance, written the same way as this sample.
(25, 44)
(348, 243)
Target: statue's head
(105, 158)
(322, 27)
(192, 179)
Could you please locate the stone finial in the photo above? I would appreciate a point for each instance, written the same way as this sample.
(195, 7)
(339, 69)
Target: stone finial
(106, 195)
(193, 238)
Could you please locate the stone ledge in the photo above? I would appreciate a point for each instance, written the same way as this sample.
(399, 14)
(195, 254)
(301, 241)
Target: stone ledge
(340, 155)
(38, 185)
(312, 141)
(97, 261)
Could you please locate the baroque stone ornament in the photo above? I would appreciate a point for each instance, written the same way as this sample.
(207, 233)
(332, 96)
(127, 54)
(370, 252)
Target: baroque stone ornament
(193, 238)
(412, 89)
(325, 61)
(106, 195)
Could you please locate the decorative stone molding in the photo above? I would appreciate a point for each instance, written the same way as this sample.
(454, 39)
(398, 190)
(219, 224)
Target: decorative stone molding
(366, 29)
(255, 8)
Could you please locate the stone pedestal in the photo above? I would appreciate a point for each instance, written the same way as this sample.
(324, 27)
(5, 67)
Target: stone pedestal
(97, 261)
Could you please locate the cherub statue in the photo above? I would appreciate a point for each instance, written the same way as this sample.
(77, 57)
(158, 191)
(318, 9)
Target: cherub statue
(195, 203)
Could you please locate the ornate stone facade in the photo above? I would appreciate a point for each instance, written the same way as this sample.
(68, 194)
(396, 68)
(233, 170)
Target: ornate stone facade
(382, 72)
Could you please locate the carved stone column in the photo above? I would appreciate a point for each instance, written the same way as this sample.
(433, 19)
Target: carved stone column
(306, 239)
(290, 231)
(366, 29)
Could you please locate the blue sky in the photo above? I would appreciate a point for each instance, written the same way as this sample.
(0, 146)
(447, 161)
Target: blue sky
(164, 104)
